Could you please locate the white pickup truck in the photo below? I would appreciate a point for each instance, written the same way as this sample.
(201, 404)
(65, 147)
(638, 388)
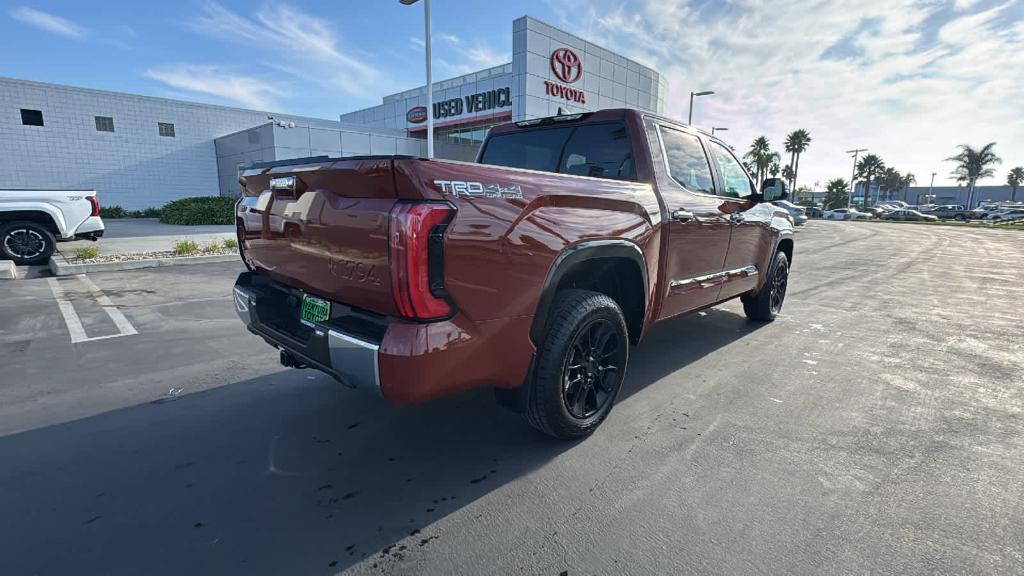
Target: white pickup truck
(32, 221)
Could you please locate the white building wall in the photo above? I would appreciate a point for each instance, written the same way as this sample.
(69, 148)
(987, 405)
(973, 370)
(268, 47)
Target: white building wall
(134, 166)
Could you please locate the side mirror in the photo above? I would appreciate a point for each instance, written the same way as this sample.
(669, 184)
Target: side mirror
(773, 189)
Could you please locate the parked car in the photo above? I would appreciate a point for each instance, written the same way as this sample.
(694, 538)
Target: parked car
(815, 212)
(1013, 214)
(797, 213)
(530, 272)
(909, 216)
(33, 221)
(951, 212)
(846, 214)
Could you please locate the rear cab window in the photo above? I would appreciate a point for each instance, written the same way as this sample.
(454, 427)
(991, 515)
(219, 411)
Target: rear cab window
(601, 150)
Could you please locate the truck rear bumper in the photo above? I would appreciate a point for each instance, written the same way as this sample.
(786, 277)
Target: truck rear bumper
(267, 309)
(403, 362)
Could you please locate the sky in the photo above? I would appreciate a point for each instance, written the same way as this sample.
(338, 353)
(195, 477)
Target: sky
(907, 79)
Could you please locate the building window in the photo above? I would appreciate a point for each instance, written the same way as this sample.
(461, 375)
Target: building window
(104, 124)
(31, 117)
(166, 129)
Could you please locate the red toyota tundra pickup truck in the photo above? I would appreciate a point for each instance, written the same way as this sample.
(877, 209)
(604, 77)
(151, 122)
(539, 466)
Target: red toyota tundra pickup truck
(531, 271)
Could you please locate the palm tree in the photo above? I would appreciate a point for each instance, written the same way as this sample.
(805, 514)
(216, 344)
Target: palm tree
(1014, 179)
(869, 167)
(973, 164)
(906, 181)
(760, 155)
(836, 194)
(797, 143)
(773, 168)
(787, 175)
(890, 180)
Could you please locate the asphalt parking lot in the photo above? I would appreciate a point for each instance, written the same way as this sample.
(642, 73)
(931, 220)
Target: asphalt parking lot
(875, 427)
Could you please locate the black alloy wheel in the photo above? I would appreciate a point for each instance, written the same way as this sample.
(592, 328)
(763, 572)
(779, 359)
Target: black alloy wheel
(779, 282)
(26, 242)
(591, 372)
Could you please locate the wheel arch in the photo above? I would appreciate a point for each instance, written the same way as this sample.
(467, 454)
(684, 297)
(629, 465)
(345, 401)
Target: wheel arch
(613, 267)
(40, 216)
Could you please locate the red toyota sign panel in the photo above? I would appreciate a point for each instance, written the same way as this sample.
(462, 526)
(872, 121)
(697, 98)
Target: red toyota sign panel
(566, 65)
(417, 115)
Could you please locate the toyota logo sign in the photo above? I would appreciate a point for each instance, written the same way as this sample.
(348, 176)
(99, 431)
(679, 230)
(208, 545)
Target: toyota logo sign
(566, 65)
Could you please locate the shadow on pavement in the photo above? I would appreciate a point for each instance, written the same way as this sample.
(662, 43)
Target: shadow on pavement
(288, 473)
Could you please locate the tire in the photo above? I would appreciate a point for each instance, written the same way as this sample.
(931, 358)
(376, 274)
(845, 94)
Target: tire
(26, 242)
(959, 217)
(766, 304)
(570, 401)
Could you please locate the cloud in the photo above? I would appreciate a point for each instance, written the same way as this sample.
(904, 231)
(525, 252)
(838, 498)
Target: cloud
(297, 42)
(913, 79)
(248, 91)
(474, 58)
(49, 22)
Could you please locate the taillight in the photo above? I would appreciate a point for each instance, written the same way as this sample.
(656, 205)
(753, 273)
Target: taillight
(95, 205)
(416, 241)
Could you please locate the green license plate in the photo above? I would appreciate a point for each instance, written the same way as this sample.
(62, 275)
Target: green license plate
(314, 310)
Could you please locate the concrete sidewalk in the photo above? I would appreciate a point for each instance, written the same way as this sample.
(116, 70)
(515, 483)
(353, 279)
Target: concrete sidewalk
(133, 235)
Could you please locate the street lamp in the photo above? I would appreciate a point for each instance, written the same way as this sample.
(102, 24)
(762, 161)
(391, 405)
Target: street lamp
(853, 176)
(689, 120)
(931, 198)
(716, 129)
(430, 83)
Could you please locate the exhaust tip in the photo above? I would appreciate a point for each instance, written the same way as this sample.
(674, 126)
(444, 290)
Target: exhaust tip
(289, 361)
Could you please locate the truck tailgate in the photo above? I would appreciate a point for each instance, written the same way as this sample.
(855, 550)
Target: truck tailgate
(329, 235)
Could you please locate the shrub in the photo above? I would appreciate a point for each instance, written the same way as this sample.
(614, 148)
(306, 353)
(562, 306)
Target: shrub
(230, 243)
(185, 247)
(212, 246)
(114, 211)
(199, 210)
(87, 252)
(149, 213)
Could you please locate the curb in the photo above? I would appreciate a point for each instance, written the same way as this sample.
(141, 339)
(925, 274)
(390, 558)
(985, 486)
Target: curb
(61, 267)
(8, 270)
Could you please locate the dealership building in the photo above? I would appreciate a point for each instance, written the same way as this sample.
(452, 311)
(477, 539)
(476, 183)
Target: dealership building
(142, 151)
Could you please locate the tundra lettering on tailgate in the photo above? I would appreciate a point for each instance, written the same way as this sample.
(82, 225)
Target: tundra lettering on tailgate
(355, 271)
(478, 190)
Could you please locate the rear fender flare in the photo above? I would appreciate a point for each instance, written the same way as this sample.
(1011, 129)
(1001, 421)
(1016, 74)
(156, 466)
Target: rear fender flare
(568, 259)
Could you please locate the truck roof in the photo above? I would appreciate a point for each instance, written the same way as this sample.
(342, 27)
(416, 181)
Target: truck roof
(605, 115)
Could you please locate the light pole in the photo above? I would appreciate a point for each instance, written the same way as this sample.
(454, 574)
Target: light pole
(430, 83)
(716, 129)
(689, 120)
(853, 175)
(930, 186)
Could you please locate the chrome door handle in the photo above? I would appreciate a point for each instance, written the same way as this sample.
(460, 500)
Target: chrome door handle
(737, 217)
(682, 215)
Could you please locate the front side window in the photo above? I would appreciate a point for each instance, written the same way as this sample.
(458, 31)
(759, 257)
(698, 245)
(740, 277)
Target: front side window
(735, 182)
(686, 160)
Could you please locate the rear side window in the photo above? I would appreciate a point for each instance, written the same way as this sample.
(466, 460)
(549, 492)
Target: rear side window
(687, 162)
(597, 150)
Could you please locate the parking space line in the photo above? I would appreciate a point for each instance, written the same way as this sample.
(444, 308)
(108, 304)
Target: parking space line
(74, 323)
(122, 323)
(71, 319)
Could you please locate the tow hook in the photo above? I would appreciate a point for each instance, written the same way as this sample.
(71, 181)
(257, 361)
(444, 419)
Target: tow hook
(289, 361)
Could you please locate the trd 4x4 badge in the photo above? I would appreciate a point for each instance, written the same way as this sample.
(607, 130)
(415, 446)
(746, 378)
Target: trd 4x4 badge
(478, 189)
